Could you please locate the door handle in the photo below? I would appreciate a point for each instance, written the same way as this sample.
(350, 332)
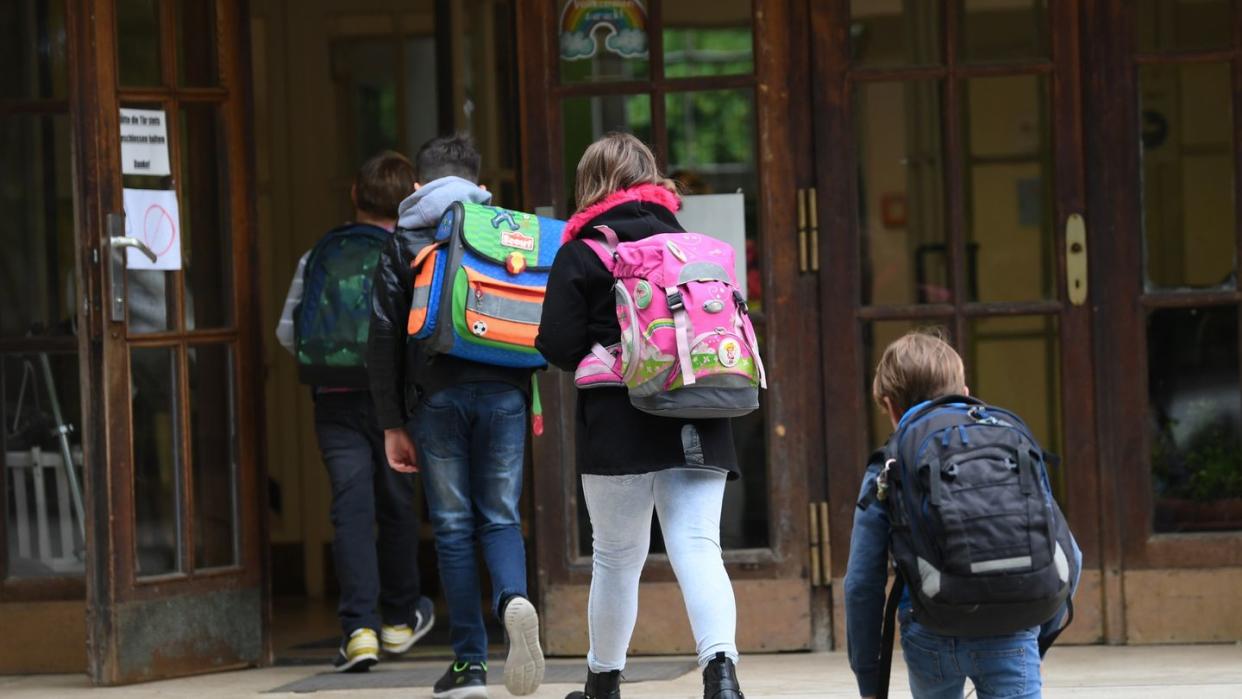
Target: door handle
(1076, 259)
(124, 241)
(117, 242)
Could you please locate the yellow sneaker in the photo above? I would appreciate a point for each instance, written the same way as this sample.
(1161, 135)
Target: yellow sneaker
(400, 638)
(358, 653)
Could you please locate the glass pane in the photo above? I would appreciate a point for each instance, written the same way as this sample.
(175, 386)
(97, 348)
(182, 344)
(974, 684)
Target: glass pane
(156, 459)
(901, 193)
(877, 335)
(421, 123)
(36, 205)
(138, 42)
(1015, 363)
(1010, 253)
(603, 40)
(197, 56)
(708, 37)
(213, 457)
(32, 49)
(584, 119)
(44, 526)
(1004, 30)
(1188, 176)
(711, 150)
(886, 32)
(1180, 25)
(206, 237)
(1194, 417)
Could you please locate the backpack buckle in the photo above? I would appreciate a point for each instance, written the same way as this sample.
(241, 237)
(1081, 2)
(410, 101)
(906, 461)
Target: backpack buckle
(881, 481)
(740, 301)
(675, 302)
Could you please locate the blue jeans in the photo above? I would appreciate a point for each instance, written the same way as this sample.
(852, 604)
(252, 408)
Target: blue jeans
(999, 666)
(366, 492)
(472, 444)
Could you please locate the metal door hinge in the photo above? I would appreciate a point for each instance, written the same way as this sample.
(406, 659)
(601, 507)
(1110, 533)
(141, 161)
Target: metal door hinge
(808, 230)
(820, 544)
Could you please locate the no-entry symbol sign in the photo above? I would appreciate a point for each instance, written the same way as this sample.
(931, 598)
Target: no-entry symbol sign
(152, 216)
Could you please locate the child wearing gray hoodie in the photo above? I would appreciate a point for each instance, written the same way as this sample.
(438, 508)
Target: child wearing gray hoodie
(469, 422)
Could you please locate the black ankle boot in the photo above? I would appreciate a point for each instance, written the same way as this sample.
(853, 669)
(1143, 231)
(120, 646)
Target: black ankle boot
(720, 679)
(603, 685)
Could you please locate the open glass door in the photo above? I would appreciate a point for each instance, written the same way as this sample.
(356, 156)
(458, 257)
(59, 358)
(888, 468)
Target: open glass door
(175, 566)
(703, 84)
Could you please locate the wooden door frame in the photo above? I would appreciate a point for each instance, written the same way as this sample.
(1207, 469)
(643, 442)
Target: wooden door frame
(112, 587)
(793, 401)
(841, 301)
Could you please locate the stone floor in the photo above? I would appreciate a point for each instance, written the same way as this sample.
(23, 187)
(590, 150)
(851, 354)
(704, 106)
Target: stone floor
(1166, 672)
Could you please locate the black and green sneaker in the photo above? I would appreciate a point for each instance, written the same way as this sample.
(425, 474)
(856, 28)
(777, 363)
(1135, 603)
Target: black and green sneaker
(463, 680)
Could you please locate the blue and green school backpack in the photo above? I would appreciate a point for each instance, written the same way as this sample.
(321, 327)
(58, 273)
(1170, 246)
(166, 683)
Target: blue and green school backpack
(332, 322)
(478, 290)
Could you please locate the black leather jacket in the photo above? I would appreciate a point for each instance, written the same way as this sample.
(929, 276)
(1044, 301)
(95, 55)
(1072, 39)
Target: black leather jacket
(400, 373)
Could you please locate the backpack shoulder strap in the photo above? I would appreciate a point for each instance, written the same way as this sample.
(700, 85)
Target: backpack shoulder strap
(887, 636)
(1045, 642)
(606, 249)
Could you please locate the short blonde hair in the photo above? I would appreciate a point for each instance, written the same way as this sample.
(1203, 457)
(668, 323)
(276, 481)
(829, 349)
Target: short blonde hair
(615, 162)
(917, 367)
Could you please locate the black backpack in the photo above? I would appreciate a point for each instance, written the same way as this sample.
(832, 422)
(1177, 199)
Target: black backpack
(976, 533)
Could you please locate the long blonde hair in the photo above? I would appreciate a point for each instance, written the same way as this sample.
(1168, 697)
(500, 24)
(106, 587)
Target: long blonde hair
(615, 162)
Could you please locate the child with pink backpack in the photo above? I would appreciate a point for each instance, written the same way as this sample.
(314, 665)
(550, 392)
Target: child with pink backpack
(649, 318)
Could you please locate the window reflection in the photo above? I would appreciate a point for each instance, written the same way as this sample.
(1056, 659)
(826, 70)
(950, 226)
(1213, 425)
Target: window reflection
(32, 49)
(901, 192)
(584, 119)
(1012, 29)
(44, 526)
(1182, 25)
(1188, 175)
(708, 37)
(888, 32)
(1195, 414)
(213, 439)
(156, 449)
(1009, 189)
(138, 56)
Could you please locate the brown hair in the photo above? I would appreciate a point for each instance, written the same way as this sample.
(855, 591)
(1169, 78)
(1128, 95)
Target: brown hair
(615, 162)
(917, 367)
(382, 183)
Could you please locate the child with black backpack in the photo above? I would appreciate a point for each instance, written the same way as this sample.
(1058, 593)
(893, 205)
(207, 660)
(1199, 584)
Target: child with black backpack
(325, 325)
(960, 499)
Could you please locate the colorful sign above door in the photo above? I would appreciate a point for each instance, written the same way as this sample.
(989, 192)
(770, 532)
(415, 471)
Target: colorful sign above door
(624, 23)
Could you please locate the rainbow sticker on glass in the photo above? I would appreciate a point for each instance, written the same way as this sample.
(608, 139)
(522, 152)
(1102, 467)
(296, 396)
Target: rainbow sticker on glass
(624, 25)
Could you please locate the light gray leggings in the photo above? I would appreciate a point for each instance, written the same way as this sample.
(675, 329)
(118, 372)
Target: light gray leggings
(688, 503)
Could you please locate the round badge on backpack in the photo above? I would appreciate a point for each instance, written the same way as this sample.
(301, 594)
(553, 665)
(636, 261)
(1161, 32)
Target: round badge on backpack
(642, 294)
(729, 352)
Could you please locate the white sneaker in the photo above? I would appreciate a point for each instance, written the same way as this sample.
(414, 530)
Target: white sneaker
(524, 666)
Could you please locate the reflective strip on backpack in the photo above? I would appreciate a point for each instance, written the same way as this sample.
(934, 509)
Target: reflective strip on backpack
(425, 263)
(505, 308)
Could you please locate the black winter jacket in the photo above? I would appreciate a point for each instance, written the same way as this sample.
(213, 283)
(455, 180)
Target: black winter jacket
(400, 373)
(613, 437)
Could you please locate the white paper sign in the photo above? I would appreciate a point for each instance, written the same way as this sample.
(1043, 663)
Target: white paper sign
(144, 142)
(721, 216)
(152, 216)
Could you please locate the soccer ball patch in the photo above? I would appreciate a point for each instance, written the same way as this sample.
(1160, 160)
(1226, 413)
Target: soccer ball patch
(479, 328)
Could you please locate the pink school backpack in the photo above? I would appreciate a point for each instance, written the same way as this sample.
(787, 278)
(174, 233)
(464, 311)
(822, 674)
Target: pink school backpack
(688, 348)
